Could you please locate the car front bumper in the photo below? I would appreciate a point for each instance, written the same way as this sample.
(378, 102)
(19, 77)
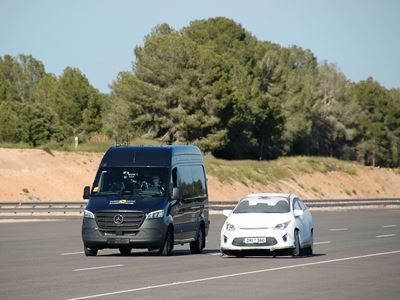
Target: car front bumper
(275, 240)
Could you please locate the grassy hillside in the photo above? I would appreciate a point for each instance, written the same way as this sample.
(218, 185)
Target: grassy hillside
(285, 168)
(40, 174)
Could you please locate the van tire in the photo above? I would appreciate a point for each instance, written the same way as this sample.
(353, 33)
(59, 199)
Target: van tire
(197, 246)
(168, 245)
(90, 251)
(125, 250)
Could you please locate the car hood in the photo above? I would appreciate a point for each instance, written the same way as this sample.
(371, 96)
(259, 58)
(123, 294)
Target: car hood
(254, 220)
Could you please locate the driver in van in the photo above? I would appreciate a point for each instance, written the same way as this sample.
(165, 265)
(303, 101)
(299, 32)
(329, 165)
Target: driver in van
(156, 185)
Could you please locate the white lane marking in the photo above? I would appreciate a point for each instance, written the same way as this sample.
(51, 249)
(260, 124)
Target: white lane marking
(236, 275)
(385, 235)
(322, 243)
(216, 253)
(338, 229)
(389, 226)
(96, 268)
(71, 253)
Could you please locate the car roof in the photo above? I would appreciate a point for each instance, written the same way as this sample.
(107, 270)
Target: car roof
(270, 195)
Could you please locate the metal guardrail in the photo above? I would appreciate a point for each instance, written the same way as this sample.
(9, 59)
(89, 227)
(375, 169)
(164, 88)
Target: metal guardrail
(77, 207)
(42, 207)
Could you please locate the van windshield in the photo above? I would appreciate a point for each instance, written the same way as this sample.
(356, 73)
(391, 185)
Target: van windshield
(145, 181)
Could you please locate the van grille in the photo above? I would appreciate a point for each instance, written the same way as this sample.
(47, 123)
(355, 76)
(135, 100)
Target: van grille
(131, 220)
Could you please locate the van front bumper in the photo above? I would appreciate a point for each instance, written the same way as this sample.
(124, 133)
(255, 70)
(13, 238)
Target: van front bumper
(151, 234)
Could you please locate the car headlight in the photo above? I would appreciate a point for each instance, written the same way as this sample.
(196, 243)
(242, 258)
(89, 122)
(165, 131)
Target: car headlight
(282, 226)
(155, 214)
(88, 214)
(229, 227)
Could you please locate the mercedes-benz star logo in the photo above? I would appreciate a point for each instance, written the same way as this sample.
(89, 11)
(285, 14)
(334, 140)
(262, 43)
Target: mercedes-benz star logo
(118, 219)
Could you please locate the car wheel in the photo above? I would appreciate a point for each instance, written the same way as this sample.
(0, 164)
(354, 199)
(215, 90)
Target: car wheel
(166, 249)
(296, 249)
(90, 251)
(125, 250)
(310, 249)
(239, 254)
(196, 247)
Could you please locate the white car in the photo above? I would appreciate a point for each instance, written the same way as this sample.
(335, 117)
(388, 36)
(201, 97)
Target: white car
(268, 223)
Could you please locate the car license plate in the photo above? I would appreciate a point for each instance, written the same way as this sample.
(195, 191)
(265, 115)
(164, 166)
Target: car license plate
(118, 241)
(256, 240)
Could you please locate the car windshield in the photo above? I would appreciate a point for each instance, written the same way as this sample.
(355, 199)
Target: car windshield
(145, 181)
(262, 205)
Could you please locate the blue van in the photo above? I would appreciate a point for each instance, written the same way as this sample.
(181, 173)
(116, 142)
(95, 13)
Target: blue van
(150, 197)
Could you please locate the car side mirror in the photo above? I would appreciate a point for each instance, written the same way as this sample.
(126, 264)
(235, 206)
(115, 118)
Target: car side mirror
(298, 212)
(175, 193)
(227, 212)
(86, 192)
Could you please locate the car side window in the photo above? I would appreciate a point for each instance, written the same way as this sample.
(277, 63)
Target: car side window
(296, 205)
(302, 205)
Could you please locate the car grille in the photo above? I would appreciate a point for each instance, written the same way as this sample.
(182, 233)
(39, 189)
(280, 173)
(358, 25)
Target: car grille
(131, 220)
(270, 241)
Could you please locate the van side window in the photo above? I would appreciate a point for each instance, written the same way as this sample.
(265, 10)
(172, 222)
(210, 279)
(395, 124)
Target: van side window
(199, 181)
(174, 177)
(186, 181)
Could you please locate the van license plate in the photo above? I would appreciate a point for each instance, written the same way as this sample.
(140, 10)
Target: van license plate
(259, 240)
(118, 241)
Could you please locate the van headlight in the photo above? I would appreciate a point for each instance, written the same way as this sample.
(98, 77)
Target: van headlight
(88, 214)
(155, 214)
(229, 226)
(282, 226)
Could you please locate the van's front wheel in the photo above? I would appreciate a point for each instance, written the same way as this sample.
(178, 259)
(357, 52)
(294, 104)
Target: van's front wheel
(166, 249)
(125, 250)
(90, 251)
(197, 246)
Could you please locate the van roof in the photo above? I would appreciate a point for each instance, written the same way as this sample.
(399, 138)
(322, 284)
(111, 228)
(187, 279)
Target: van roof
(153, 155)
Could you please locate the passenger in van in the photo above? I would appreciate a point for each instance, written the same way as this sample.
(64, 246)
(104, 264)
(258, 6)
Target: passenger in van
(156, 186)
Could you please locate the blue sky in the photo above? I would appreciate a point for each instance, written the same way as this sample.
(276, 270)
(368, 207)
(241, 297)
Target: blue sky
(98, 36)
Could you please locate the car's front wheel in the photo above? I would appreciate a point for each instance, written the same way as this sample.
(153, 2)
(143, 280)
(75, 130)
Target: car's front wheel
(310, 249)
(296, 247)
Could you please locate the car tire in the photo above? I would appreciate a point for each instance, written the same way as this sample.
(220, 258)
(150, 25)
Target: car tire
(239, 254)
(90, 251)
(296, 249)
(310, 249)
(168, 245)
(197, 246)
(125, 250)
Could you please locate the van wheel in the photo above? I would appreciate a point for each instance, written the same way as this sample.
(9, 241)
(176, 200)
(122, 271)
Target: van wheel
(166, 249)
(197, 246)
(90, 251)
(125, 250)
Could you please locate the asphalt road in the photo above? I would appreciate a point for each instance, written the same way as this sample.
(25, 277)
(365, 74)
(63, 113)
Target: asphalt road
(357, 257)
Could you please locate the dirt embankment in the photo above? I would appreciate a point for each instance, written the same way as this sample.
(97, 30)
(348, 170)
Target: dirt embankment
(35, 175)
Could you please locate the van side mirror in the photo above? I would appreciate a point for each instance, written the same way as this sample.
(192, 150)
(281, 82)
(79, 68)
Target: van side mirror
(298, 212)
(175, 193)
(86, 192)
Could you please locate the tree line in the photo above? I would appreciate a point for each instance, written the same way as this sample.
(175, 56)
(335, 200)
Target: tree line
(215, 85)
